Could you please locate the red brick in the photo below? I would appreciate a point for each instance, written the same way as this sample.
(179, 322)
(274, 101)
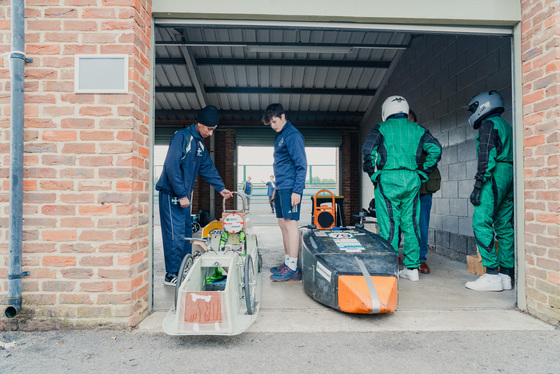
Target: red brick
(99, 13)
(129, 186)
(39, 123)
(78, 148)
(58, 86)
(77, 248)
(114, 299)
(112, 273)
(95, 111)
(78, 99)
(35, 98)
(81, 25)
(78, 198)
(96, 286)
(50, 160)
(73, 49)
(38, 197)
(39, 222)
(58, 286)
(56, 185)
(78, 123)
(42, 273)
(58, 110)
(59, 210)
(78, 173)
(94, 210)
(75, 299)
(61, 13)
(39, 173)
(38, 247)
(94, 185)
(43, 25)
(97, 135)
(59, 261)
(59, 235)
(77, 273)
(42, 49)
(96, 235)
(29, 185)
(126, 247)
(76, 222)
(131, 259)
(99, 38)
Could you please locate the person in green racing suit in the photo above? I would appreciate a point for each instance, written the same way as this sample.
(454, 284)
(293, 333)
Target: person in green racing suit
(392, 158)
(492, 195)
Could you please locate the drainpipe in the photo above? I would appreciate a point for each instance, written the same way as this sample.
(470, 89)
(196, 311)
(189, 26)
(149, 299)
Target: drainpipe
(17, 62)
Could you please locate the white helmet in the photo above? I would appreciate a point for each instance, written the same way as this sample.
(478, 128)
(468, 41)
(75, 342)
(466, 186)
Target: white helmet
(484, 104)
(394, 105)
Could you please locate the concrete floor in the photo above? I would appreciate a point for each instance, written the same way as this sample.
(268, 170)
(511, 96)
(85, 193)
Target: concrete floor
(438, 302)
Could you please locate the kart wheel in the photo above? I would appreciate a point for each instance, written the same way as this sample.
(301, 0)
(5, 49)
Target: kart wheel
(195, 227)
(186, 265)
(250, 285)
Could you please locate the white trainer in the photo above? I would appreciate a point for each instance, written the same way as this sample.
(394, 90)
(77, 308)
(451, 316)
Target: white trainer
(506, 281)
(411, 274)
(486, 282)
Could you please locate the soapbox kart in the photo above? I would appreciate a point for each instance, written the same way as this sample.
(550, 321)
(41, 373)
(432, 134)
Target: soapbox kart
(348, 269)
(218, 288)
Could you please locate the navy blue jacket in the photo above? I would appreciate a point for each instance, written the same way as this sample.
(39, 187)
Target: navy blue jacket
(186, 158)
(290, 161)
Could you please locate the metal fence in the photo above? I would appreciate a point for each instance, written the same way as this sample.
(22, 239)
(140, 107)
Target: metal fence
(318, 177)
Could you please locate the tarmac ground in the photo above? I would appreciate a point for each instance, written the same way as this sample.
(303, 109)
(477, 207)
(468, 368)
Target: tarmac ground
(439, 327)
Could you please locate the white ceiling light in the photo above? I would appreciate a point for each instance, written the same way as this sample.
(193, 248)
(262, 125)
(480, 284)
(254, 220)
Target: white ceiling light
(299, 49)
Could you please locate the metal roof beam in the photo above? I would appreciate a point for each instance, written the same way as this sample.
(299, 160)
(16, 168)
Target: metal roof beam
(274, 62)
(236, 124)
(169, 43)
(258, 113)
(271, 90)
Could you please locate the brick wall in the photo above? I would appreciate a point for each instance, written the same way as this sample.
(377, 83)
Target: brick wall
(224, 159)
(437, 75)
(86, 167)
(540, 50)
(350, 165)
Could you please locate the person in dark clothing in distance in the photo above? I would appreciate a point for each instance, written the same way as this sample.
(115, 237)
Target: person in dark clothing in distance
(186, 158)
(247, 190)
(270, 192)
(427, 188)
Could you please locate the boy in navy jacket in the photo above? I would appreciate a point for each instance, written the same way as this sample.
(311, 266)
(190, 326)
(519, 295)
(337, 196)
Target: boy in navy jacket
(290, 170)
(186, 158)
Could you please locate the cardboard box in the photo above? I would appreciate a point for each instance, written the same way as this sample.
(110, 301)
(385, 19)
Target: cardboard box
(474, 262)
(474, 265)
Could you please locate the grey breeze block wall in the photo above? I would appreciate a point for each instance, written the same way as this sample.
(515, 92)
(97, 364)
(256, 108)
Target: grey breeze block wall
(437, 75)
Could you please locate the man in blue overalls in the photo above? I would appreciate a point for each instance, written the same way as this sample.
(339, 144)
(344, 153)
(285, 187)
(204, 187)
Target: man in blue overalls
(186, 158)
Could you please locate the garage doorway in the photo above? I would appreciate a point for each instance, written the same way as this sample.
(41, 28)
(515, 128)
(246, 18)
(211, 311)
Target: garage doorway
(335, 77)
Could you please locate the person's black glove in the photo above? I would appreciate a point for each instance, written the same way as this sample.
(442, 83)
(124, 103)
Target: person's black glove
(475, 195)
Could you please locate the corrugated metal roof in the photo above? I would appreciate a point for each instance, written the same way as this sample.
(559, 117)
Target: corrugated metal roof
(218, 65)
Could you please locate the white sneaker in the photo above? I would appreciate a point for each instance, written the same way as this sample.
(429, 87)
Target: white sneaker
(411, 274)
(506, 281)
(486, 282)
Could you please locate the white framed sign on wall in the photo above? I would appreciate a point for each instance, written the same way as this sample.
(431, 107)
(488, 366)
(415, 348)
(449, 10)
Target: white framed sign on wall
(101, 74)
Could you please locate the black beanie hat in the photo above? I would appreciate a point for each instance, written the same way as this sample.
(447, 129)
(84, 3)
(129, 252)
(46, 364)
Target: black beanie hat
(209, 116)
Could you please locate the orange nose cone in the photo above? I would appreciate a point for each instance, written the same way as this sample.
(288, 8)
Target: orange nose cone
(354, 295)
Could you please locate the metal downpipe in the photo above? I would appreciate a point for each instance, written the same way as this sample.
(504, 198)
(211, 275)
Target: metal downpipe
(17, 64)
